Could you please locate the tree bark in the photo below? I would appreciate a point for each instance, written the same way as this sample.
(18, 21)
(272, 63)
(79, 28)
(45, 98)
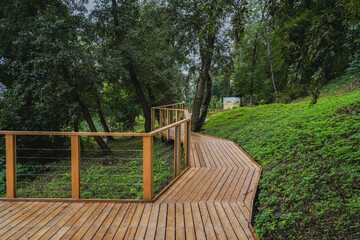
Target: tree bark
(133, 78)
(140, 94)
(115, 19)
(253, 71)
(102, 119)
(271, 67)
(86, 113)
(200, 108)
(76, 129)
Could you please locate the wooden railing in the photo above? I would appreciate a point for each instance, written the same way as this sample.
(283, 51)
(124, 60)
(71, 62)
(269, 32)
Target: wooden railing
(210, 110)
(167, 121)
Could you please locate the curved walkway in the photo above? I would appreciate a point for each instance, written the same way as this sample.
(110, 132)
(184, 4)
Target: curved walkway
(212, 200)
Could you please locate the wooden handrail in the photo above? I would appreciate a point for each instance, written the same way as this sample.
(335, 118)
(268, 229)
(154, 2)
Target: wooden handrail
(47, 133)
(169, 105)
(162, 129)
(182, 117)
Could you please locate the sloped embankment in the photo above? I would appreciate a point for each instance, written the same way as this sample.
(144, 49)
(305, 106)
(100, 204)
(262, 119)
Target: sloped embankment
(309, 188)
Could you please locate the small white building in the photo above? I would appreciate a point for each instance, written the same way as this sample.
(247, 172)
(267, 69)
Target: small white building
(231, 102)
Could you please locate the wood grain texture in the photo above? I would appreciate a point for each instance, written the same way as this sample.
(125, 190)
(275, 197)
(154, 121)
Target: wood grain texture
(212, 200)
(10, 143)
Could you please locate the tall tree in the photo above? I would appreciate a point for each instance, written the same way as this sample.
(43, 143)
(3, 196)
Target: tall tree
(135, 33)
(200, 27)
(46, 58)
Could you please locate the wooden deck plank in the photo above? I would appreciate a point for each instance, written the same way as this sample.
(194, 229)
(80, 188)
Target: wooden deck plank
(230, 216)
(207, 221)
(98, 222)
(26, 226)
(13, 209)
(220, 184)
(117, 221)
(189, 222)
(233, 186)
(8, 206)
(200, 156)
(217, 156)
(206, 192)
(76, 225)
(89, 221)
(170, 222)
(180, 221)
(232, 161)
(198, 222)
(188, 186)
(46, 220)
(126, 221)
(204, 186)
(229, 231)
(144, 222)
(220, 156)
(244, 222)
(193, 188)
(135, 221)
(58, 230)
(21, 222)
(226, 186)
(208, 158)
(161, 226)
(108, 221)
(21, 215)
(43, 229)
(153, 222)
(212, 200)
(178, 185)
(66, 222)
(194, 161)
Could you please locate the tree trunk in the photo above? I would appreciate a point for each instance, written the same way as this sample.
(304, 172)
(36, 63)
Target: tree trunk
(88, 118)
(206, 103)
(102, 119)
(133, 78)
(86, 113)
(76, 129)
(115, 19)
(271, 67)
(253, 71)
(140, 94)
(200, 108)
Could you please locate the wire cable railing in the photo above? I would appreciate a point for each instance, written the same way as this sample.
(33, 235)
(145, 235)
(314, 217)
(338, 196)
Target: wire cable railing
(38, 167)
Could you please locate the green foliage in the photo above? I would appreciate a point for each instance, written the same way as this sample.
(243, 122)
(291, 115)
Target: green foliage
(102, 178)
(309, 188)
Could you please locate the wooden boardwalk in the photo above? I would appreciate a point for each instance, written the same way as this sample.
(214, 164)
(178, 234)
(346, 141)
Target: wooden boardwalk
(212, 200)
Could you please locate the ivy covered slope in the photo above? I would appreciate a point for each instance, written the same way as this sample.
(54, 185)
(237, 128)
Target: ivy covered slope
(310, 184)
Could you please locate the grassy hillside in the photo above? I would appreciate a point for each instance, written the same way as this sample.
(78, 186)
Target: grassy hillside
(310, 185)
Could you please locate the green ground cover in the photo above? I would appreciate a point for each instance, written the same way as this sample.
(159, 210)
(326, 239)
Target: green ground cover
(309, 188)
(118, 176)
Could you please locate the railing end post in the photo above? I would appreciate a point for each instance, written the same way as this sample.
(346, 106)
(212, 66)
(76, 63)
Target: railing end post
(75, 166)
(148, 173)
(10, 142)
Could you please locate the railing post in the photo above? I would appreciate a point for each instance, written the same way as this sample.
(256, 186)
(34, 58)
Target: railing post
(177, 115)
(177, 152)
(75, 166)
(152, 119)
(168, 123)
(148, 174)
(187, 135)
(10, 142)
